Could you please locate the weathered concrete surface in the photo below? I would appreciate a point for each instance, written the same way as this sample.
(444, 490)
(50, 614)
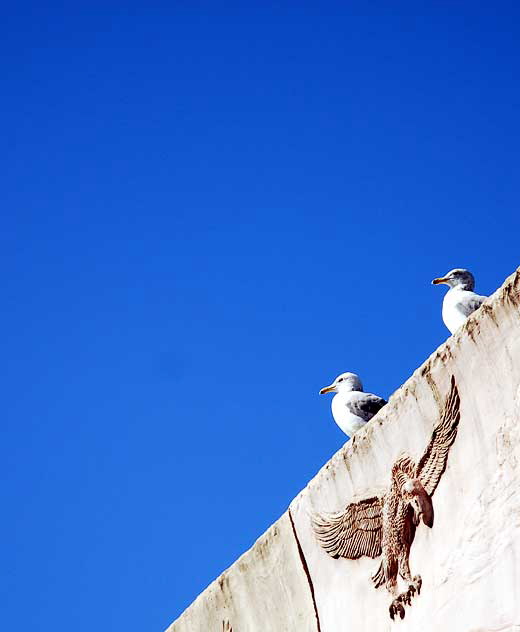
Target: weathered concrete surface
(267, 586)
(469, 561)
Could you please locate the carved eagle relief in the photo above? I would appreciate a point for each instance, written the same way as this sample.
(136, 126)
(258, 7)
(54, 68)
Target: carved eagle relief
(385, 525)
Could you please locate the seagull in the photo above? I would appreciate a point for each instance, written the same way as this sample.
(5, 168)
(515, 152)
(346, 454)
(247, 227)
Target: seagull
(460, 301)
(351, 407)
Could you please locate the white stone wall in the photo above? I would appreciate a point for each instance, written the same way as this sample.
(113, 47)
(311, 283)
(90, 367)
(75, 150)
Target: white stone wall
(469, 561)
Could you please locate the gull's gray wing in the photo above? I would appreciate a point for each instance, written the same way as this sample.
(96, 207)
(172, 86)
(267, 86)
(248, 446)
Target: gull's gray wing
(469, 303)
(364, 405)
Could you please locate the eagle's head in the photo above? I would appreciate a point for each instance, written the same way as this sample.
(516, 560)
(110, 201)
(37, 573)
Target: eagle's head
(414, 493)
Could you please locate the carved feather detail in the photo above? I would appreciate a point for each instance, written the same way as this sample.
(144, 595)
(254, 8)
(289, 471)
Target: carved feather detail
(433, 462)
(353, 532)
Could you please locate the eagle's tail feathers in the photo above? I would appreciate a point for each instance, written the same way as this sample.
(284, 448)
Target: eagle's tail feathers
(379, 577)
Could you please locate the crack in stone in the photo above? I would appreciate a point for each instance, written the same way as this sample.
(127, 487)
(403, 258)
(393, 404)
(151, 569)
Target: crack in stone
(307, 572)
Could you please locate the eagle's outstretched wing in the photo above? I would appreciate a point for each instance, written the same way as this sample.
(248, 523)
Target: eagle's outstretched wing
(433, 462)
(353, 532)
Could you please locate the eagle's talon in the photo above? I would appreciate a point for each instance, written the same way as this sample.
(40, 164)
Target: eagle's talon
(413, 589)
(396, 608)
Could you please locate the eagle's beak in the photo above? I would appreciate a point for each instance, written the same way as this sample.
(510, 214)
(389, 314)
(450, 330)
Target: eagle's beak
(425, 512)
(327, 389)
(420, 502)
(439, 280)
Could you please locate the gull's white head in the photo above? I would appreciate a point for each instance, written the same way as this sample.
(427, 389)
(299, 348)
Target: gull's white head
(343, 383)
(457, 278)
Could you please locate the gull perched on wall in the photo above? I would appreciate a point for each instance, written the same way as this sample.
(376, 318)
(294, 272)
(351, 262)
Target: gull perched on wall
(351, 407)
(460, 301)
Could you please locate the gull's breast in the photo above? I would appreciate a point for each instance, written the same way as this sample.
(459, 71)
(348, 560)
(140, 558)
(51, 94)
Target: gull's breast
(452, 316)
(347, 421)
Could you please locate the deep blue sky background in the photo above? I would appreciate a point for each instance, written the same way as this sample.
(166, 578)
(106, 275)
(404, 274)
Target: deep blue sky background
(208, 213)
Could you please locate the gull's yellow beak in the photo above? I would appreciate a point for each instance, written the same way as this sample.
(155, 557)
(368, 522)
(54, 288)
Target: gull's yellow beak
(440, 280)
(327, 389)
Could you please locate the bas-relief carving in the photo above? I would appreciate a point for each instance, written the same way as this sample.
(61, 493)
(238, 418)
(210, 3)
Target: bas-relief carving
(385, 525)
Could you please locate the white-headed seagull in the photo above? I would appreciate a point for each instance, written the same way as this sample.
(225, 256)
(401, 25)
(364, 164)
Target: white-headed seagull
(351, 407)
(460, 300)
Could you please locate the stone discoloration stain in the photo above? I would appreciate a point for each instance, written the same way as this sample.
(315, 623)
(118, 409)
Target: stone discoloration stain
(511, 293)
(445, 354)
(487, 310)
(473, 329)
(434, 389)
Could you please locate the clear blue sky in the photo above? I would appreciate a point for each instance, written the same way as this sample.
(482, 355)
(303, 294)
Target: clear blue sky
(208, 213)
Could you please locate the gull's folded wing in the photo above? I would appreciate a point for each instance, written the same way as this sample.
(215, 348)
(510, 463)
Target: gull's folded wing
(365, 405)
(470, 303)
